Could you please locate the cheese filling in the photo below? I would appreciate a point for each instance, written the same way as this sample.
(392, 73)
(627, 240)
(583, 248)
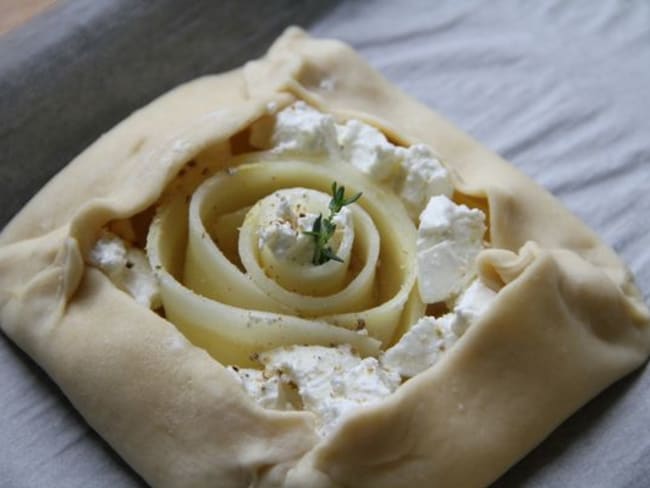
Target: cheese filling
(331, 382)
(450, 238)
(127, 267)
(286, 252)
(429, 338)
(368, 150)
(300, 128)
(415, 173)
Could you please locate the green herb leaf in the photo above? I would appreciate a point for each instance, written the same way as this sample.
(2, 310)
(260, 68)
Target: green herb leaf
(328, 255)
(338, 200)
(323, 229)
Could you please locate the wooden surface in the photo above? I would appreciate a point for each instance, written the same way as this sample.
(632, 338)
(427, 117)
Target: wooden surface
(14, 13)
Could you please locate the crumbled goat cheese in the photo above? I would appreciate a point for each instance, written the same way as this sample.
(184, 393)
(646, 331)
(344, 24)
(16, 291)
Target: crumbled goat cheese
(284, 234)
(415, 173)
(449, 239)
(332, 382)
(286, 239)
(127, 267)
(421, 346)
(421, 177)
(368, 150)
(426, 341)
(301, 128)
(268, 392)
(471, 304)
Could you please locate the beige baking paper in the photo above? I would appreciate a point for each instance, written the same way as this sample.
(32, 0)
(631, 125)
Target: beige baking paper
(568, 320)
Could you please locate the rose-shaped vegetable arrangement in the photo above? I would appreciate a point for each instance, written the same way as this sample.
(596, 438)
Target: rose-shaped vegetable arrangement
(234, 312)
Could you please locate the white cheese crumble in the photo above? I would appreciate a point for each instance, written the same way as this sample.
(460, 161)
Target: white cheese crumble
(415, 173)
(332, 382)
(127, 267)
(284, 234)
(425, 342)
(301, 128)
(286, 219)
(368, 150)
(421, 177)
(473, 303)
(450, 237)
(421, 346)
(286, 216)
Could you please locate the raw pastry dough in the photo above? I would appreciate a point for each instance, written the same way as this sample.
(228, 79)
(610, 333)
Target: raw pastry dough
(180, 419)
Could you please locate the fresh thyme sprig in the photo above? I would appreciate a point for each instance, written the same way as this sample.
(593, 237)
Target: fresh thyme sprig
(323, 228)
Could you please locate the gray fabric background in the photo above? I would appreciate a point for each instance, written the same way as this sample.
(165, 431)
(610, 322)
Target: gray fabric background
(561, 89)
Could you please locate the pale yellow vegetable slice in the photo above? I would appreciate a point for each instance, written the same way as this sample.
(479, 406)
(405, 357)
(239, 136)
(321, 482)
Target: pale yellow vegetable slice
(231, 334)
(395, 275)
